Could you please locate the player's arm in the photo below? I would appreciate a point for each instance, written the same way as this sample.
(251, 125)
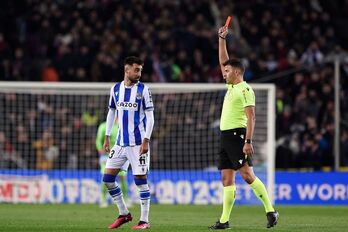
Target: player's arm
(223, 54)
(150, 121)
(248, 147)
(110, 119)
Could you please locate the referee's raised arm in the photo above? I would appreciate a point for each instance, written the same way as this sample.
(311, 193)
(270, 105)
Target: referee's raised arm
(223, 54)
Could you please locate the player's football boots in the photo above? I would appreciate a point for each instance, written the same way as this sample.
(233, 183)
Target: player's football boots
(122, 219)
(141, 226)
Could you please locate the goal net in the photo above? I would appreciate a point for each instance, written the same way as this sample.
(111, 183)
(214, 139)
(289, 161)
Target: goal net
(48, 132)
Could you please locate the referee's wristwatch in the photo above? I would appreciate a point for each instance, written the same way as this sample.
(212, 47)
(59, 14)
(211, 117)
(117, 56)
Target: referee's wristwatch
(248, 141)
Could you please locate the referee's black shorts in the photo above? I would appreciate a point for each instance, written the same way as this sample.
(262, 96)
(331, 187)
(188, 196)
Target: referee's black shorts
(231, 154)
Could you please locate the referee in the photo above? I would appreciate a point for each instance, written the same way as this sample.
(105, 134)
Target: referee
(237, 128)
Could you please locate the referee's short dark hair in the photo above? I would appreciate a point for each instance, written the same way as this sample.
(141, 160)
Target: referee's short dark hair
(235, 63)
(130, 60)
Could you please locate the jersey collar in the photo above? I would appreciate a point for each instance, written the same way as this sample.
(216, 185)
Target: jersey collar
(231, 86)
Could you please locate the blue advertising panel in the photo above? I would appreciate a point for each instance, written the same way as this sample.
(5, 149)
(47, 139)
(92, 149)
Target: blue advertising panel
(170, 187)
(324, 188)
(196, 187)
(167, 187)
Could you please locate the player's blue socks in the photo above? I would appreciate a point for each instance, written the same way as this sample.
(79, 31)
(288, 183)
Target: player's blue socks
(144, 192)
(115, 192)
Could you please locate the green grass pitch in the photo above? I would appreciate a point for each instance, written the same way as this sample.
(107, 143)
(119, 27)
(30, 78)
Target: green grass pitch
(169, 218)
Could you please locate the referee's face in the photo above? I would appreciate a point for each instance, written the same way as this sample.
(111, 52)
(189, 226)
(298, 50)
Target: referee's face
(133, 72)
(229, 74)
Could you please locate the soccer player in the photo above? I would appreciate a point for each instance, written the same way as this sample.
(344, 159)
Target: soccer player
(131, 102)
(103, 156)
(237, 128)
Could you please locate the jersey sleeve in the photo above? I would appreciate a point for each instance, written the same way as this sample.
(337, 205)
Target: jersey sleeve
(248, 98)
(147, 99)
(112, 100)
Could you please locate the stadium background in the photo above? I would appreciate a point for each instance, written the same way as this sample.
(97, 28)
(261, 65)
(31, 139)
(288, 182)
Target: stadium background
(292, 44)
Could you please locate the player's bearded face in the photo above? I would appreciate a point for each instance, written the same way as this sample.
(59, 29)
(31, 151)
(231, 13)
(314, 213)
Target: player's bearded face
(134, 73)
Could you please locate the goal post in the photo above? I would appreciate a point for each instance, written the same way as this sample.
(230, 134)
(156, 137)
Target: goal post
(48, 131)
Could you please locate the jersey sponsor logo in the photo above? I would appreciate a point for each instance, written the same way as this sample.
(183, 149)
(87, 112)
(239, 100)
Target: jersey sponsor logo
(132, 106)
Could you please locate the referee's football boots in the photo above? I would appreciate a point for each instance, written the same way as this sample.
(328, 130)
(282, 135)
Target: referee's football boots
(272, 219)
(220, 226)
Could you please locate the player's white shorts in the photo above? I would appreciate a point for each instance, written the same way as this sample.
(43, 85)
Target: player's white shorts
(119, 156)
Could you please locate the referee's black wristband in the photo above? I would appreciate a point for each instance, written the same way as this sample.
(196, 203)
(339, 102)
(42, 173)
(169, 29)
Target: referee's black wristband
(248, 141)
(222, 37)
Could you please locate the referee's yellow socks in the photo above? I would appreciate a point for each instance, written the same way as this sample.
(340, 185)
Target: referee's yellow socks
(228, 201)
(261, 193)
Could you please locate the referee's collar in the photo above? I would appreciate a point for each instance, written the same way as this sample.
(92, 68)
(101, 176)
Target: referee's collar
(231, 86)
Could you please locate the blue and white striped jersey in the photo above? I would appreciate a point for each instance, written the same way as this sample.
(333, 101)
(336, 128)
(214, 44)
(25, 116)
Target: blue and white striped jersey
(130, 104)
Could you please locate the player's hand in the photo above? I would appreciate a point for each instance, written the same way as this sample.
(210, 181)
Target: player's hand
(107, 144)
(223, 31)
(144, 148)
(248, 149)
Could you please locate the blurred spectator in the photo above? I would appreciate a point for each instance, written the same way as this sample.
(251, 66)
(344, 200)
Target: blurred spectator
(23, 145)
(285, 157)
(9, 159)
(46, 151)
(312, 56)
(49, 73)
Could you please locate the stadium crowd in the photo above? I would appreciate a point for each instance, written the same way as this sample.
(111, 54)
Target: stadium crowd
(86, 41)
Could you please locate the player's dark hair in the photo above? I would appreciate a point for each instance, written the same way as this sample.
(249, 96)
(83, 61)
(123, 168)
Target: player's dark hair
(130, 60)
(235, 63)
